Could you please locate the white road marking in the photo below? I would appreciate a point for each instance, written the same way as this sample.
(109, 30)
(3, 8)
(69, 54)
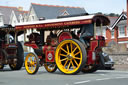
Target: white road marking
(103, 79)
(82, 82)
(121, 77)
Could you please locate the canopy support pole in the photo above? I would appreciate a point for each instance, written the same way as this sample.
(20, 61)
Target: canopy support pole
(94, 30)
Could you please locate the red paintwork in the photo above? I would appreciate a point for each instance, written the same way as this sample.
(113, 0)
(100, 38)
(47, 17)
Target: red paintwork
(47, 50)
(95, 46)
(40, 57)
(64, 35)
(56, 24)
(46, 47)
(89, 58)
(33, 45)
(49, 56)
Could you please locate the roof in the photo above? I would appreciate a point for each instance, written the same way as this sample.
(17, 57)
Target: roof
(112, 20)
(67, 21)
(52, 11)
(17, 13)
(120, 20)
(6, 12)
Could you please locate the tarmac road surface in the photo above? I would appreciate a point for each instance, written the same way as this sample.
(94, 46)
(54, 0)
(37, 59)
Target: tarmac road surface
(101, 77)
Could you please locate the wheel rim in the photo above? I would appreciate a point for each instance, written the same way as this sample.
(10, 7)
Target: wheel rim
(68, 56)
(50, 67)
(31, 63)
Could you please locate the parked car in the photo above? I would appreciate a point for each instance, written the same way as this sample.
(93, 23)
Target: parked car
(107, 62)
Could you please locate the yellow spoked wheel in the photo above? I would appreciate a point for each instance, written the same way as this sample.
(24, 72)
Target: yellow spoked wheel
(31, 63)
(89, 69)
(70, 56)
(50, 67)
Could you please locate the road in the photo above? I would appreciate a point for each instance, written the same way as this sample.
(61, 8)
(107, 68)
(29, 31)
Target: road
(101, 77)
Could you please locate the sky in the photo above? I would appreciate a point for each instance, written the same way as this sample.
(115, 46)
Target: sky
(91, 6)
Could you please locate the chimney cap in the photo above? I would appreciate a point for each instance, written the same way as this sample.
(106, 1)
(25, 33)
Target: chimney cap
(20, 8)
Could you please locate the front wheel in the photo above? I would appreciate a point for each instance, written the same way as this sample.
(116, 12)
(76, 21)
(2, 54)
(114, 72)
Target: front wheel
(70, 56)
(50, 67)
(31, 63)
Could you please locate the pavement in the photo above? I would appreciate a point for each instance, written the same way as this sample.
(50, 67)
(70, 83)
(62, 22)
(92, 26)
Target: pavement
(42, 77)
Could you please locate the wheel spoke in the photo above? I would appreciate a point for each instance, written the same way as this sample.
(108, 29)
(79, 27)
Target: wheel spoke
(63, 55)
(71, 47)
(31, 67)
(77, 58)
(69, 65)
(72, 64)
(64, 59)
(30, 58)
(76, 62)
(74, 50)
(35, 65)
(77, 53)
(65, 63)
(64, 50)
(67, 48)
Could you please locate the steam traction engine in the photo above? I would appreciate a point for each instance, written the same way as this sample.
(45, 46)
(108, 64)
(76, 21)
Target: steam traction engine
(64, 48)
(11, 51)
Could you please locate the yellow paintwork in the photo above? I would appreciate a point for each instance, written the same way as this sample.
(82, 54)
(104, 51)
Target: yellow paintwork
(68, 55)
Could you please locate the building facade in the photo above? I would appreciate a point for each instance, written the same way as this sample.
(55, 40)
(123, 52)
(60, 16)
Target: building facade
(118, 32)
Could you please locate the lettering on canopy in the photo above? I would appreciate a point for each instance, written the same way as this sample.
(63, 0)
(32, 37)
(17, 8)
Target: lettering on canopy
(56, 24)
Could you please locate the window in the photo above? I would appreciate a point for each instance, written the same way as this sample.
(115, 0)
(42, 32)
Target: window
(121, 31)
(112, 33)
(33, 17)
(65, 13)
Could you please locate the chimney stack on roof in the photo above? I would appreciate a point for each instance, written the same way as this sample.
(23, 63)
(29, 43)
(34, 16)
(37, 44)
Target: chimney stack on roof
(20, 8)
